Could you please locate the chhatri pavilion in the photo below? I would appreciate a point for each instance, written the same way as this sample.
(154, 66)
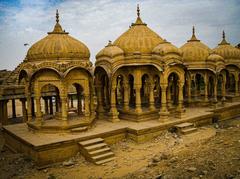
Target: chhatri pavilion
(139, 77)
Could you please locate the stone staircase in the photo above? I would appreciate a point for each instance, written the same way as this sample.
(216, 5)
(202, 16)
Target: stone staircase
(185, 128)
(96, 151)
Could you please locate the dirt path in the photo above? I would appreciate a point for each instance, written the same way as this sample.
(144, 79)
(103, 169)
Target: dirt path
(209, 153)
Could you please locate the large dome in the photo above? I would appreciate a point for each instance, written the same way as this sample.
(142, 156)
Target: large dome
(138, 38)
(58, 45)
(194, 50)
(226, 50)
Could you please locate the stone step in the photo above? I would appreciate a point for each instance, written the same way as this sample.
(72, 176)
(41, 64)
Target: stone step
(184, 125)
(91, 141)
(95, 147)
(105, 161)
(189, 130)
(79, 129)
(100, 151)
(103, 156)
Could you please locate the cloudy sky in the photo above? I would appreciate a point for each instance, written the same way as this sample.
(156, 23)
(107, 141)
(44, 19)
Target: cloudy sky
(94, 22)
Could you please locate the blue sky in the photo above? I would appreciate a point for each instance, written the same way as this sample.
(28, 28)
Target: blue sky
(94, 22)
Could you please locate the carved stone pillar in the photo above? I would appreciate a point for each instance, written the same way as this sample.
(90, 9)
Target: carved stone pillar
(180, 108)
(71, 101)
(51, 105)
(151, 97)
(169, 99)
(215, 92)
(100, 109)
(87, 102)
(64, 108)
(113, 114)
(189, 92)
(38, 107)
(223, 91)
(126, 97)
(29, 108)
(45, 104)
(164, 111)
(138, 103)
(32, 106)
(4, 112)
(206, 91)
(57, 103)
(105, 93)
(13, 109)
(236, 87)
(79, 103)
(24, 110)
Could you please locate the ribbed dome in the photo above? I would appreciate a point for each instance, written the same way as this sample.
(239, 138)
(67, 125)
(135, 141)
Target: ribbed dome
(58, 45)
(226, 50)
(165, 48)
(138, 38)
(215, 58)
(110, 51)
(194, 50)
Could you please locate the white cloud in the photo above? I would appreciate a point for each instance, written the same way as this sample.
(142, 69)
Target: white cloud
(97, 21)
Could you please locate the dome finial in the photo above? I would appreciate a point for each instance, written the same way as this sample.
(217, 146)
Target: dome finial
(139, 20)
(57, 28)
(224, 42)
(223, 35)
(138, 10)
(193, 38)
(57, 16)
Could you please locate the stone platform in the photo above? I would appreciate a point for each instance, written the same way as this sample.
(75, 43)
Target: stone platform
(46, 148)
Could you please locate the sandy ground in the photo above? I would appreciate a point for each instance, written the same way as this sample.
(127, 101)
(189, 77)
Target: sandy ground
(211, 152)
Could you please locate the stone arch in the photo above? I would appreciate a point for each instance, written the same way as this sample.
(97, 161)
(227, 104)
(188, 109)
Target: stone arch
(49, 92)
(43, 70)
(76, 68)
(102, 88)
(75, 92)
(177, 70)
(23, 75)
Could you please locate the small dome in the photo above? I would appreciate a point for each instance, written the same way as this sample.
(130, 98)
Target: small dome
(110, 51)
(226, 50)
(139, 38)
(58, 45)
(215, 58)
(194, 50)
(165, 48)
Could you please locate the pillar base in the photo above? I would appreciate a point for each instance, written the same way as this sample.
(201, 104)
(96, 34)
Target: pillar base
(64, 122)
(180, 114)
(101, 115)
(164, 116)
(223, 100)
(152, 108)
(113, 116)
(87, 114)
(138, 110)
